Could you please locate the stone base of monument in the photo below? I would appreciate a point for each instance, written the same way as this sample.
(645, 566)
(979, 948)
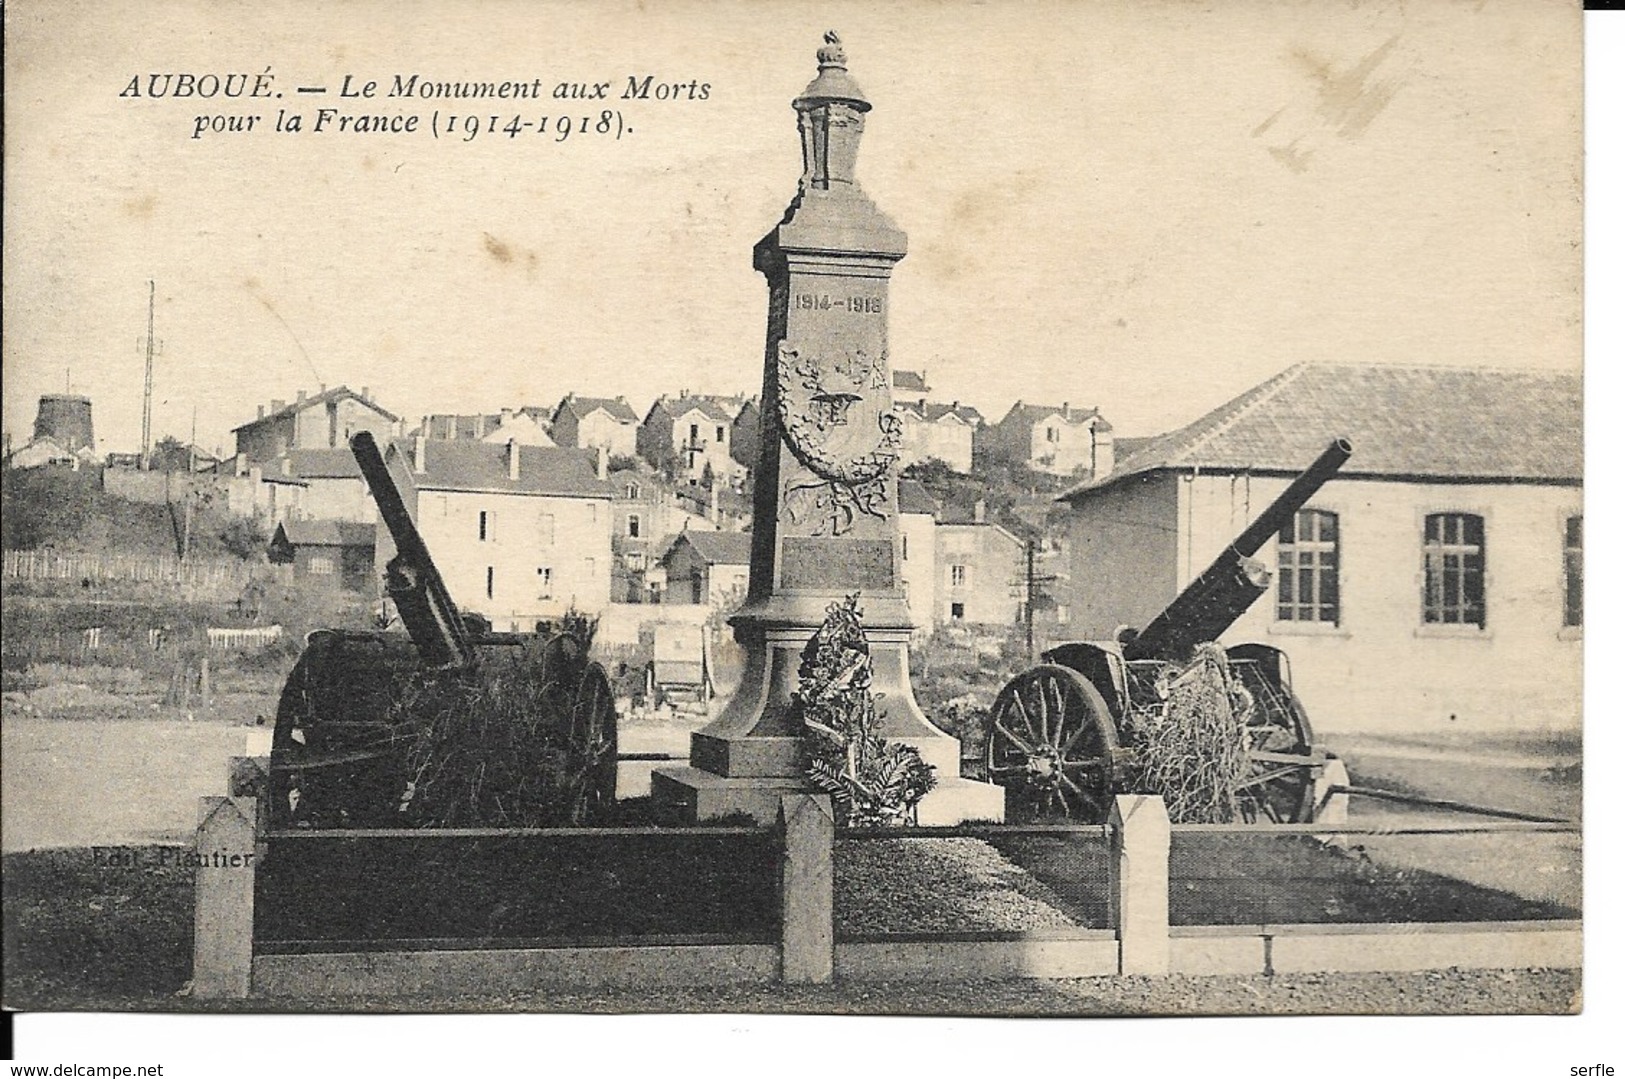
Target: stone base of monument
(752, 755)
(693, 796)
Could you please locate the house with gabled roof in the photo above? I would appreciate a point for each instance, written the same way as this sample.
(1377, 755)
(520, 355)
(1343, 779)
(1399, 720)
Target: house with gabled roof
(527, 426)
(335, 553)
(690, 434)
(323, 421)
(1057, 439)
(935, 431)
(583, 422)
(707, 567)
(908, 387)
(519, 533)
(646, 515)
(1435, 583)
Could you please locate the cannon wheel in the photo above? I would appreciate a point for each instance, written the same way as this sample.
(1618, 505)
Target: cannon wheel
(1051, 743)
(593, 734)
(1278, 791)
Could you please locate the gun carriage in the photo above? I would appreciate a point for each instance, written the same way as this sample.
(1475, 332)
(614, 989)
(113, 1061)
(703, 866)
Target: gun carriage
(356, 725)
(1065, 736)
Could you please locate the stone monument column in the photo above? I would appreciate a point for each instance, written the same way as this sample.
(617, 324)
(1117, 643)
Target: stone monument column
(825, 512)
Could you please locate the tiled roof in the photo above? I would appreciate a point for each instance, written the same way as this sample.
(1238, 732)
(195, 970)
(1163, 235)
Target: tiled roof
(964, 413)
(583, 407)
(718, 548)
(320, 399)
(1026, 413)
(328, 533)
(483, 466)
(1450, 423)
(913, 381)
(912, 497)
(715, 407)
(325, 464)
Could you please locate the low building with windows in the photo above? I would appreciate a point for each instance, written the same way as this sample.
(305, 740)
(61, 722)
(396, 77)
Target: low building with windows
(336, 553)
(978, 570)
(519, 533)
(708, 567)
(1434, 583)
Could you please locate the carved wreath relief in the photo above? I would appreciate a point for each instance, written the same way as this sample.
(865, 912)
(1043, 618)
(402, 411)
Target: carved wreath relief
(831, 420)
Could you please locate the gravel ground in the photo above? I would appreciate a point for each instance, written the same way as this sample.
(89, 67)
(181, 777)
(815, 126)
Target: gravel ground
(937, 885)
(1447, 992)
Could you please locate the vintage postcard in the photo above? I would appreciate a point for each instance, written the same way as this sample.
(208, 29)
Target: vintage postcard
(951, 509)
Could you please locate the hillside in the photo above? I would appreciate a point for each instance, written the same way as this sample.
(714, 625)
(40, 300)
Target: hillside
(68, 510)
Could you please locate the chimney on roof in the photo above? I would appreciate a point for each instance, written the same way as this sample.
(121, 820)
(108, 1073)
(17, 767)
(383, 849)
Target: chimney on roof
(602, 462)
(287, 466)
(1066, 410)
(261, 416)
(278, 406)
(507, 417)
(366, 393)
(513, 458)
(419, 448)
(299, 397)
(979, 511)
(323, 388)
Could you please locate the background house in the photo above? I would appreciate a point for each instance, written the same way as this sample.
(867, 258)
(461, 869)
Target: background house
(979, 569)
(338, 553)
(646, 514)
(946, 433)
(707, 567)
(689, 434)
(908, 387)
(607, 422)
(526, 426)
(325, 421)
(1046, 438)
(1435, 582)
(334, 489)
(519, 533)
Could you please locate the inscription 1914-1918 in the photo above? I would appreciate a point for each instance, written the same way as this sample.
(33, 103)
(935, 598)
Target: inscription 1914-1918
(823, 301)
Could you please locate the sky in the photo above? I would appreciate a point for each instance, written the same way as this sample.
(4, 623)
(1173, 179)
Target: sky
(1142, 206)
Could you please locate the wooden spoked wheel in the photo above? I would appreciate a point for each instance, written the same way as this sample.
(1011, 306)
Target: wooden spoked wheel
(1280, 783)
(1052, 743)
(594, 738)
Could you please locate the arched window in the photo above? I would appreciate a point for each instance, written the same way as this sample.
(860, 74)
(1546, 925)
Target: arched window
(1307, 581)
(1453, 569)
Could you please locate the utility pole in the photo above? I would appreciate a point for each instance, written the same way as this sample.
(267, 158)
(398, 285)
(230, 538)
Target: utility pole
(1031, 588)
(146, 393)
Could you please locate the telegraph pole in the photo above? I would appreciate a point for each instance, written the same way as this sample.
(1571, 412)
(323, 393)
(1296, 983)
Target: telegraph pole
(146, 393)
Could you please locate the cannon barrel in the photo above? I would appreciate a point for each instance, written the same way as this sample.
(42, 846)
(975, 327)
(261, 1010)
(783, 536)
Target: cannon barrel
(411, 579)
(1212, 602)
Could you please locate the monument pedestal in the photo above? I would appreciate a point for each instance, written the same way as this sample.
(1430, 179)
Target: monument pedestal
(752, 754)
(825, 505)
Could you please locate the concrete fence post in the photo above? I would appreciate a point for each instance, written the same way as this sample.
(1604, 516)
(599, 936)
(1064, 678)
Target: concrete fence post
(223, 926)
(807, 889)
(1138, 885)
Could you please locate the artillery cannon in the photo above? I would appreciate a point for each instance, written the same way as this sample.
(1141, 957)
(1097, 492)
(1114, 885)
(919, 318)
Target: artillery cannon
(380, 729)
(1065, 736)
